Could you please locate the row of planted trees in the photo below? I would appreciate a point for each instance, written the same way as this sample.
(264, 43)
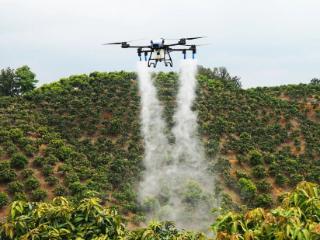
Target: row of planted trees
(83, 133)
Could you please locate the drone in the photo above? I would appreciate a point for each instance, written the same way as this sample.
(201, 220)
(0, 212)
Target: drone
(159, 50)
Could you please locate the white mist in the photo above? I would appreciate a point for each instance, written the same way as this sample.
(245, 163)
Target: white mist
(176, 185)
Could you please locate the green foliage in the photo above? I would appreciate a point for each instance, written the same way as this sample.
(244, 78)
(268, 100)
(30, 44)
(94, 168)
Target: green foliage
(255, 157)
(315, 81)
(281, 180)
(26, 79)
(264, 200)
(259, 171)
(38, 195)
(8, 85)
(18, 161)
(165, 230)
(264, 186)
(192, 194)
(82, 134)
(62, 220)
(297, 218)
(6, 173)
(15, 187)
(3, 199)
(247, 189)
(31, 183)
(16, 82)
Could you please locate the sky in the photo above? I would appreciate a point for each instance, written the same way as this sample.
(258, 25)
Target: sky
(266, 43)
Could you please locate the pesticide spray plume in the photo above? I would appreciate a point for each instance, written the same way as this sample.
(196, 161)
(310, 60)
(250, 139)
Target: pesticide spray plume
(176, 186)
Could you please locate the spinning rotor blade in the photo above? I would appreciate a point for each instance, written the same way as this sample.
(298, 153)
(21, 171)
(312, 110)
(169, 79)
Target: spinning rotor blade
(190, 38)
(124, 42)
(193, 38)
(203, 44)
(114, 43)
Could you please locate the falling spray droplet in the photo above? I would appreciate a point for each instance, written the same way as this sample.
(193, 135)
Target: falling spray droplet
(176, 185)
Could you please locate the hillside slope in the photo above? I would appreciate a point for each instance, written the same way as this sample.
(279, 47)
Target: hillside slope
(81, 136)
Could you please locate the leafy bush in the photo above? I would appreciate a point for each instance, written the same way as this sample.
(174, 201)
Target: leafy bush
(264, 186)
(26, 173)
(259, 171)
(247, 188)
(296, 218)
(39, 161)
(38, 195)
(82, 221)
(255, 158)
(31, 183)
(6, 173)
(3, 199)
(15, 187)
(192, 194)
(52, 180)
(18, 161)
(264, 200)
(281, 180)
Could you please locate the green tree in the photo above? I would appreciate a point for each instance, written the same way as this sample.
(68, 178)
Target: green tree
(8, 82)
(26, 79)
(315, 81)
(16, 82)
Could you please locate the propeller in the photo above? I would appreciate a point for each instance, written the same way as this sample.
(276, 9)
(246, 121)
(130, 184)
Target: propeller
(203, 44)
(124, 42)
(113, 43)
(190, 38)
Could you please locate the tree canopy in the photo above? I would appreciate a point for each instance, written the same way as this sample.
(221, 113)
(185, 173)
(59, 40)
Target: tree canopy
(17, 82)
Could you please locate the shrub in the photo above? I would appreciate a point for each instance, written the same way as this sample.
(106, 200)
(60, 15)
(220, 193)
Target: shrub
(247, 188)
(30, 150)
(65, 220)
(295, 218)
(264, 186)
(264, 200)
(26, 173)
(259, 171)
(51, 159)
(47, 170)
(19, 196)
(255, 157)
(15, 187)
(7, 176)
(269, 158)
(39, 162)
(281, 179)
(295, 179)
(38, 195)
(76, 188)
(52, 180)
(31, 184)
(60, 191)
(192, 194)
(241, 174)
(3, 199)
(18, 161)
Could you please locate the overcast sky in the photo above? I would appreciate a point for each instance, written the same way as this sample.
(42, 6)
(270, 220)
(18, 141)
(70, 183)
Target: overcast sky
(266, 43)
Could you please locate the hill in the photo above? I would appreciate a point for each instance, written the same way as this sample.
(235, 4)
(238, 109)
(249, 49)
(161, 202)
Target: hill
(80, 137)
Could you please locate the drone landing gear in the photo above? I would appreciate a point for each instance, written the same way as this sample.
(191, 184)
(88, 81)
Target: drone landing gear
(152, 64)
(168, 64)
